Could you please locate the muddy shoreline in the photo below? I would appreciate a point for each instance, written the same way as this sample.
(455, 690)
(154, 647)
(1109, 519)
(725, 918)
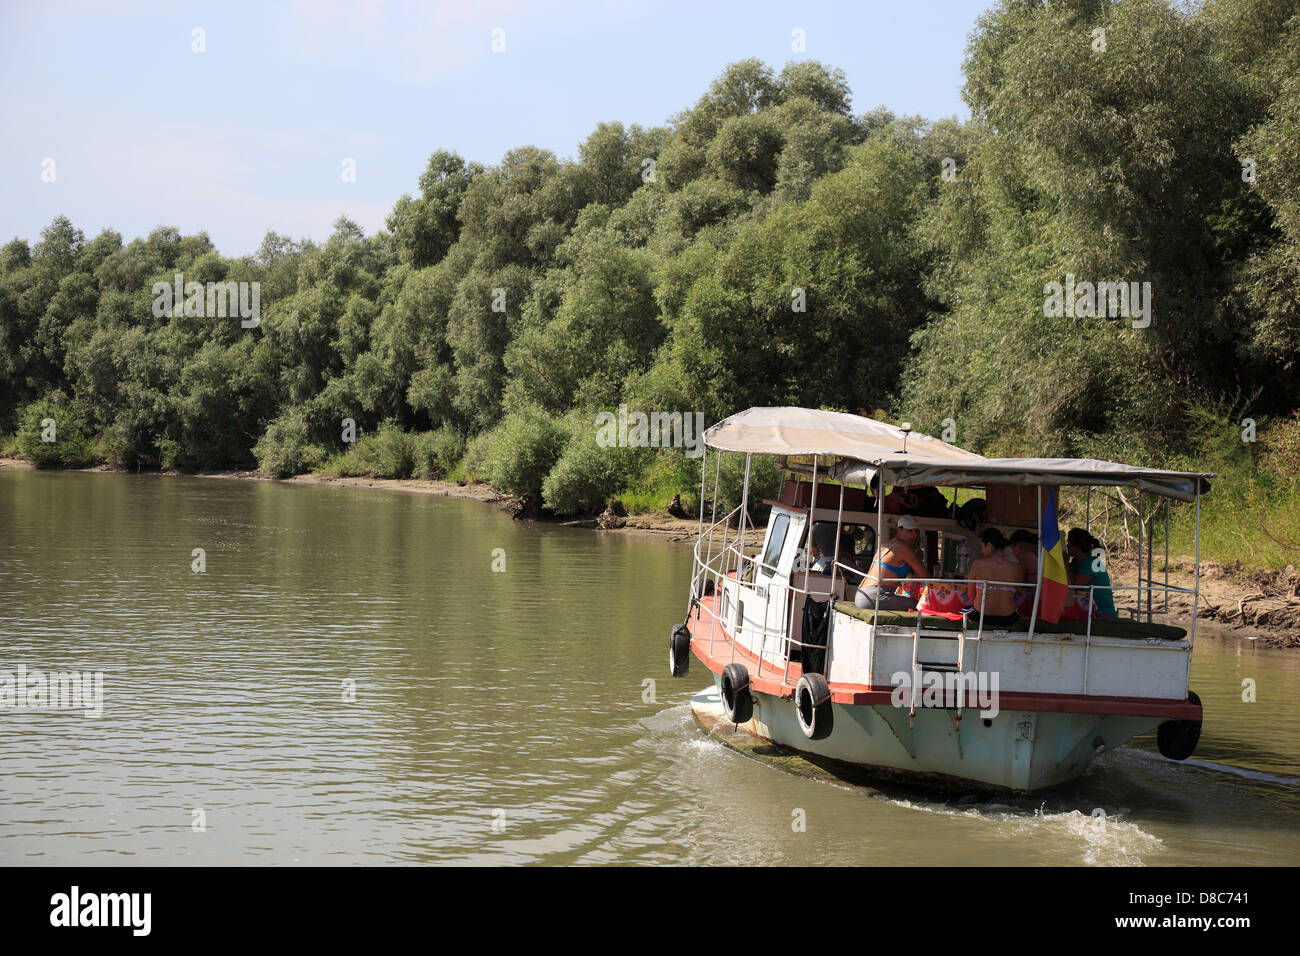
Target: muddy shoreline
(1262, 608)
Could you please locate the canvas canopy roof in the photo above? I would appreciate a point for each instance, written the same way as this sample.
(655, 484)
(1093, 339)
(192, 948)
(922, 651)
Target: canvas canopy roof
(874, 450)
(805, 431)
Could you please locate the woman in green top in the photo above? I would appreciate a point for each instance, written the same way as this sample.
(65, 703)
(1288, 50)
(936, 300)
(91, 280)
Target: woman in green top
(1088, 568)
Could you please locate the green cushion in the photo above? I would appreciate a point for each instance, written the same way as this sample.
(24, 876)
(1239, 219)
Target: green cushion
(898, 618)
(1137, 630)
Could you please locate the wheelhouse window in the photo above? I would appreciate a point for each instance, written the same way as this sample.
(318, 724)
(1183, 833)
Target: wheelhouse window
(775, 542)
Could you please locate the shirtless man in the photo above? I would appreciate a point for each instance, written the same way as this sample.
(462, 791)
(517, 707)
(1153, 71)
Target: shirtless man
(995, 566)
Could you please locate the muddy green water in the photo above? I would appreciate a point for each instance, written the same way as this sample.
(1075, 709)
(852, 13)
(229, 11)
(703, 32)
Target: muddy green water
(499, 717)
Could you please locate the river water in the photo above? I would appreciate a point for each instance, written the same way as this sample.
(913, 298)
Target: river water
(348, 680)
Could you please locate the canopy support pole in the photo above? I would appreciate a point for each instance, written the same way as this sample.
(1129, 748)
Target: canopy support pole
(1166, 556)
(1151, 555)
(880, 544)
(740, 565)
(1137, 504)
(698, 574)
(807, 570)
(704, 461)
(726, 528)
(713, 511)
(839, 525)
(744, 513)
(1038, 585)
(721, 580)
(1196, 598)
(812, 507)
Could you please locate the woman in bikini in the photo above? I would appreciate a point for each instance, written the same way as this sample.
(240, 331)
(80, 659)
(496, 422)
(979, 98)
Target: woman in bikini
(999, 600)
(893, 562)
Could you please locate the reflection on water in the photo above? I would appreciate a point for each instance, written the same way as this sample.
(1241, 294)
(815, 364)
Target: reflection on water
(498, 717)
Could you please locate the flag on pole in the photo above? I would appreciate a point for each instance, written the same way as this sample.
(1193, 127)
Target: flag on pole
(1054, 583)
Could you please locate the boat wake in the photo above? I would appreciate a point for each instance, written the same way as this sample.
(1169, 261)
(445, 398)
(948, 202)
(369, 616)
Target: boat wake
(1070, 820)
(1225, 768)
(1108, 840)
(1104, 837)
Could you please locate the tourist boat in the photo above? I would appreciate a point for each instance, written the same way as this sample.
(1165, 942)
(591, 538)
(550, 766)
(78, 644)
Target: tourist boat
(931, 700)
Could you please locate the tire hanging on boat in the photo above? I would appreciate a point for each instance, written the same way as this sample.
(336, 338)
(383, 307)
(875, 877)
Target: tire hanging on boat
(1177, 739)
(812, 705)
(679, 651)
(737, 703)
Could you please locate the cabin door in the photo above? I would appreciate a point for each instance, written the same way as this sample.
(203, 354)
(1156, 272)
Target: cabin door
(785, 536)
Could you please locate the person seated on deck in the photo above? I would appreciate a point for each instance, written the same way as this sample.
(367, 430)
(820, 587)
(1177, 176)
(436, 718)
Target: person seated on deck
(896, 558)
(853, 563)
(930, 502)
(1024, 545)
(823, 547)
(863, 556)
(900, 501)
(821, 563)
(849, 556)
(1087, 568)
(996, 600)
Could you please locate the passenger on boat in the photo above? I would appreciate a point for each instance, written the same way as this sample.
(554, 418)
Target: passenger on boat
(823, 546)
(1024, 545)
(849, 555)
(930, 502)
(821, 562)
(862, 557)
(900, 501)
(896, 558)
(999, 600)
(924, 500)
(1088, 567)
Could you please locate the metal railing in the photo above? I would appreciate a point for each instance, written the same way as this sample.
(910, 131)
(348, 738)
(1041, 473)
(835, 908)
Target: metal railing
(730, 563)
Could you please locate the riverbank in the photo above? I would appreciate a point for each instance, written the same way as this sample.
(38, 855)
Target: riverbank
(662, 526)
(1263, 606)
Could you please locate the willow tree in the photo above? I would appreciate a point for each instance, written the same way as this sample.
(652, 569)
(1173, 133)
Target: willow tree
(1108, 140)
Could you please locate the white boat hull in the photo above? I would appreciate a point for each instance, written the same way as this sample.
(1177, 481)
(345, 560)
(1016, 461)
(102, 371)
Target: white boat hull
(1014, 750)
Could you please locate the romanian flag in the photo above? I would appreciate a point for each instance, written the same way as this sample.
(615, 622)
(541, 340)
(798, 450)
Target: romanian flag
(1054, 582)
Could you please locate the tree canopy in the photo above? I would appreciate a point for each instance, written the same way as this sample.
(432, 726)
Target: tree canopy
(767, 246)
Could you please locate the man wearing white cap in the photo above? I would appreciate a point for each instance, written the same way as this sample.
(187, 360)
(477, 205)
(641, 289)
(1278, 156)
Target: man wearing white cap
(894, 561)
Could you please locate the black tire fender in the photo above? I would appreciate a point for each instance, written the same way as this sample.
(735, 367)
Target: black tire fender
(1177, 739)
(679, 651)
(812, 705)
(737, 702)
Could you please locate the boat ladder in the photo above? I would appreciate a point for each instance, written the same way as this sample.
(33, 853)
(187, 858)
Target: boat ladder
(947, 667)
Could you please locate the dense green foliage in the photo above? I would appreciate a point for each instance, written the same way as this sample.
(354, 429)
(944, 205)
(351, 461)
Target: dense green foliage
(768, 247)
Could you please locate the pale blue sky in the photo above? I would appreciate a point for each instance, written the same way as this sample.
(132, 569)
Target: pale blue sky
(251, 134)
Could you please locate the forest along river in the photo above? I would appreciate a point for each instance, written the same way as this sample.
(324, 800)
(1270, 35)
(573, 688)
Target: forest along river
(499, 717)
